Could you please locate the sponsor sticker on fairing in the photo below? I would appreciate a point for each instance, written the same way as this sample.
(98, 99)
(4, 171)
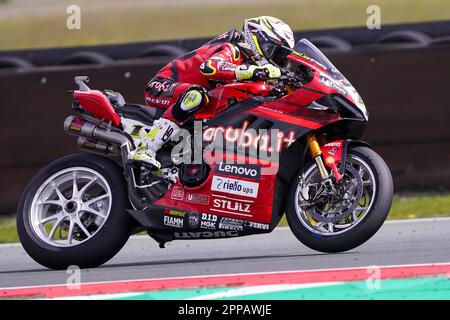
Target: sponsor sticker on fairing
(173, 221)
(234, 186)
(208, 221)
(239, 170)
(197, 198)
(177, 193)
(231, 224)
(209, 217)
(257, 225)
(232, 205)
(333, 144)
(194, 219)
(175, 213)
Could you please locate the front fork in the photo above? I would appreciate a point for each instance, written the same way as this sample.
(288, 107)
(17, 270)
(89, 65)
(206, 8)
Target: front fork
(316, 153)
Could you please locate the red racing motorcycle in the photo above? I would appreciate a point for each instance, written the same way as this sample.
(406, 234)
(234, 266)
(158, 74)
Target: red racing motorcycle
(257, 151)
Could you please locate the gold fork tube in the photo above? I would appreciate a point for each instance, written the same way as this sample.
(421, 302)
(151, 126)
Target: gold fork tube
(316, 153)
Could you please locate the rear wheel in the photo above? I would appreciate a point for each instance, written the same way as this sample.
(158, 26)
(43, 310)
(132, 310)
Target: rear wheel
(73, 212)
(335, 217)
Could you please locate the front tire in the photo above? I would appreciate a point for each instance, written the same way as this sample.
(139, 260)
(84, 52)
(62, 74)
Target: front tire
(73, 212)
(338, 240)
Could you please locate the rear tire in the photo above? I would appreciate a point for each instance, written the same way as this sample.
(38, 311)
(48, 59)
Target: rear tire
(95, 249)
(360, 232)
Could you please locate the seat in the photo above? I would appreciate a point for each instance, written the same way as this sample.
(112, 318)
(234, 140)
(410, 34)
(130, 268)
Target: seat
(143, 113)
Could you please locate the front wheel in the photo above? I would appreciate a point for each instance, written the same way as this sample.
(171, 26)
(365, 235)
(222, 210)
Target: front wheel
(334, 217)
(73, 212)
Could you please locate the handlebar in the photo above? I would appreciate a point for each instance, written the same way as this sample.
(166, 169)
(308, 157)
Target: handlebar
(287, 78)
(290, 78)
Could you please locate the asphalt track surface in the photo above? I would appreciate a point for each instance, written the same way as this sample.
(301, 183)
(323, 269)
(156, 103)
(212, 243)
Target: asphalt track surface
(401, 242)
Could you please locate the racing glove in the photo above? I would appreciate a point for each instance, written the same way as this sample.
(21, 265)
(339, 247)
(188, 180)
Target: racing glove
(251, 72)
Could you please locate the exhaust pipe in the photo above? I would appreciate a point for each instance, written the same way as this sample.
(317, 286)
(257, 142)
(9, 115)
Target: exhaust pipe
(96, 146)
(79, 127)
(93, 138)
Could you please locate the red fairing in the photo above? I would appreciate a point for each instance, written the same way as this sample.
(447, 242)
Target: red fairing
(96, 103)
(316, 84)
(219, 97)
(206, 198)
(292, 109)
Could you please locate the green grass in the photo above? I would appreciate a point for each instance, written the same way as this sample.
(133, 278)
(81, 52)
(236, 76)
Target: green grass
(411, 206)
(405, 206)
(109, 21)
(8, 231)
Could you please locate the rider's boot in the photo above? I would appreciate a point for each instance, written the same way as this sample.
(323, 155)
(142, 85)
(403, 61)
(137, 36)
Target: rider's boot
(161, 132)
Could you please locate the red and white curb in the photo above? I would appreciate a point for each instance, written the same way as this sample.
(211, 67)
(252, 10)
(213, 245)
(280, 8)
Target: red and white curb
(322, 276)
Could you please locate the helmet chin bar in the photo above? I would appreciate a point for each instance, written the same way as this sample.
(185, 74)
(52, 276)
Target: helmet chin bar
(255, 55)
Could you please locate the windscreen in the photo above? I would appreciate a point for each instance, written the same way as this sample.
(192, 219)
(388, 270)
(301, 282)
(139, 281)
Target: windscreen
(332, 77)
(316, 56)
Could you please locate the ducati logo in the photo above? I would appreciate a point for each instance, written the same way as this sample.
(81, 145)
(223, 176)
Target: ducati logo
(206, 234)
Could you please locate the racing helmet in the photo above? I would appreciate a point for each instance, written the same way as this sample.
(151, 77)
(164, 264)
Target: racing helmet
(262, 36)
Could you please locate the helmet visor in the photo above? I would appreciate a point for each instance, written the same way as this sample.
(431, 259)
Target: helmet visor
(275, 53)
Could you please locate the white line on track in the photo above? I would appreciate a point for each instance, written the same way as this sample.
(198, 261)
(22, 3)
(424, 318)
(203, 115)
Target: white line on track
(245, 291)
(416, 220)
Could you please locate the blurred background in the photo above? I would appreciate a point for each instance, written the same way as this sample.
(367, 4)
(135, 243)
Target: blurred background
(400, 70)
(26, 24)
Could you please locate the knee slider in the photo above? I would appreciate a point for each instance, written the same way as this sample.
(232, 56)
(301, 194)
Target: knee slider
(194, 98)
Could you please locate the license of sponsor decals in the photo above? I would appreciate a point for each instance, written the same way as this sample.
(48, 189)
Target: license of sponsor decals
(234, 186)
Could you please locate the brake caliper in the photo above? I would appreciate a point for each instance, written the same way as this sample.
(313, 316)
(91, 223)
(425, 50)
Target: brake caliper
(332, 153)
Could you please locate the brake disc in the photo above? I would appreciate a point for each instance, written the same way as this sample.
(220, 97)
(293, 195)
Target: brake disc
(356, 187)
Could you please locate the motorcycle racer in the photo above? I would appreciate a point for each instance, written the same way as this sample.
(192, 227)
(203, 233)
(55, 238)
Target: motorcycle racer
(181, 86)
(334, 190)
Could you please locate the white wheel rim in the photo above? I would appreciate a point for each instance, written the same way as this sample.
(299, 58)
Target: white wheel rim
(70, 207)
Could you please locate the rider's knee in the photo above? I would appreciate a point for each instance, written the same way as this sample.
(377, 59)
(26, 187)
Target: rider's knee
(192, 100)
